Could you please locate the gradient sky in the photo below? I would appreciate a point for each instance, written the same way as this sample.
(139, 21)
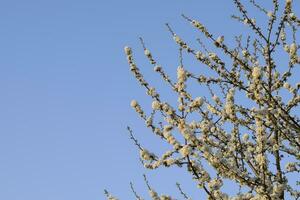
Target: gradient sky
(65, 93)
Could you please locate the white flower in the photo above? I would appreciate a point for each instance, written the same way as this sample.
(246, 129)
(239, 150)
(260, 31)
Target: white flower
(155, 105)
(290, 167)
(260, 159)
(164, 197)
(147, 52)
(277, 190)
(157, 68)
(215, 184)
(245, 52)
(197, 24)
(112, 198)
(292, 15)
(127, 50)
(282, 35)
(185, 150)
(256, 72)
(179, 41)
(153, 194)
(181, 74)
(177, 38)
(197, 102)
(146, 155)
(212, 55)
(246, 137)
(149, 122)
(286, 48)
(220, 39)
(199, 55)
(170, 161)
(286, 85)
(151, 92)
(270, 14)
(187, 134)
(293, 49)
(133, 103)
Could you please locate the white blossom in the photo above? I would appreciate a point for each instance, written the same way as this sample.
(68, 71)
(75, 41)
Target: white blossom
(133, 103)
(256, 73)
(147, 52)
(220, 39)
(239, 123)
(155, 105)
(185, 150)
(290, 167)
(293, 49)
(270, 14)
(181, 74)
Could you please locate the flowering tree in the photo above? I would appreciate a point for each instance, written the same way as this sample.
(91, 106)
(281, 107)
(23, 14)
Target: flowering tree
(253, 142)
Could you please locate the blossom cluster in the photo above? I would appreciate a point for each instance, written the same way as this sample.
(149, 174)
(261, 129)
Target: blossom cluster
(244, 128)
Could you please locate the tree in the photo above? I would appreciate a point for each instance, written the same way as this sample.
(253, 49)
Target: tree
(246, 128)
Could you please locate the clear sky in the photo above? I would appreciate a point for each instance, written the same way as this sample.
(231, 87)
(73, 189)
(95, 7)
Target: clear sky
(65, 92)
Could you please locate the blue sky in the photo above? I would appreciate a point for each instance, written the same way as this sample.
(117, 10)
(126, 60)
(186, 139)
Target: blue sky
(66, 88)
